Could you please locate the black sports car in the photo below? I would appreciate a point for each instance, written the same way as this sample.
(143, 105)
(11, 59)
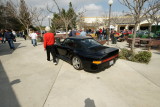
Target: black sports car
(86, 53)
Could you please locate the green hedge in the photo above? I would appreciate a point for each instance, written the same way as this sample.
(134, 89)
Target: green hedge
(142, 56)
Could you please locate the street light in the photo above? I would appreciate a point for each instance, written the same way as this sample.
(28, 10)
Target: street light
(110, 2)
(49, 20)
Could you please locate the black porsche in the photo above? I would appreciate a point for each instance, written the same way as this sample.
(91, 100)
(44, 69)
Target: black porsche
(86, 53)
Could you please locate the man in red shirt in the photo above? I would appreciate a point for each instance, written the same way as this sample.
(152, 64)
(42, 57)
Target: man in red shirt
(49, 41)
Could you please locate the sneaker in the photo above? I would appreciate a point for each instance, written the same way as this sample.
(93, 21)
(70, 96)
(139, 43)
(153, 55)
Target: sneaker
(55, 63)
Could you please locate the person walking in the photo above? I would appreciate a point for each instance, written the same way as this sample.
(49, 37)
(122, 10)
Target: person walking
(49, 42)
(10, 37)
(33, 36)
(23, 34)
(83, 33)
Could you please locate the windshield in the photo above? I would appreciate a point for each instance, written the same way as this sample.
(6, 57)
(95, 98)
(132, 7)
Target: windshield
(88, 43)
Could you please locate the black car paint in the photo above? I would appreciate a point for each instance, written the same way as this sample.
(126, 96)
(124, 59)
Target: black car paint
(87, 55)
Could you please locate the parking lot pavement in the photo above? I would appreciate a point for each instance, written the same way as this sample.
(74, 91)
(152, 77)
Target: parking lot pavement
(118, 86)
(28, 80)
(25, 75)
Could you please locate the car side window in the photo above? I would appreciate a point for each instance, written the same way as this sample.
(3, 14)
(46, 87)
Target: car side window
(70, 43)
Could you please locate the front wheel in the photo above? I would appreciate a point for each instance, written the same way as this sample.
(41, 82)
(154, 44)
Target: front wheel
(77, 63)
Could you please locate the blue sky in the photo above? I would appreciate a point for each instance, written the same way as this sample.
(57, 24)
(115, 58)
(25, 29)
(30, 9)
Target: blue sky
(94, 8)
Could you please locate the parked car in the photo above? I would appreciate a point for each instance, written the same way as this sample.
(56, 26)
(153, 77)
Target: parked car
(86, 53)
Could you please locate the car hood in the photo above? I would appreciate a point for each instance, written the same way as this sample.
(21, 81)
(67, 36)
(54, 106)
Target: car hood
(102, 52)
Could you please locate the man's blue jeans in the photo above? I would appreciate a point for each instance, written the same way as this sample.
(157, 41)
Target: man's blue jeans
(11, 44)
(34, 42)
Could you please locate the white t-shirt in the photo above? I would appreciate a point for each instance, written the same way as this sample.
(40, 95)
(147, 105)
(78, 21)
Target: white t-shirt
(33, 35)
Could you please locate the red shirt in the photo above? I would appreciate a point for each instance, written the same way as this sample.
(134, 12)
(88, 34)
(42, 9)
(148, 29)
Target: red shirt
(48, 39)
(100, 30)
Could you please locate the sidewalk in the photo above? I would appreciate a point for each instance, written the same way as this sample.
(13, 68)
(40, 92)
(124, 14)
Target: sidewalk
(28, 80)
(25, 75)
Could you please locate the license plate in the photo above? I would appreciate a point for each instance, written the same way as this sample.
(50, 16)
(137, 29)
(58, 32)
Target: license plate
(111, 62)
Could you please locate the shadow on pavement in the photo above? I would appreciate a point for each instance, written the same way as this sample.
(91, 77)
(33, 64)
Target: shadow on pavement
(5, 50)
(7, 95)
(21, 46)
(15, 81)
(98, 71)
(89, 103)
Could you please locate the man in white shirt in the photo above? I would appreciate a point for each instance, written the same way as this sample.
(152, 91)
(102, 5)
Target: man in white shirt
(33, 36)
(83, 33)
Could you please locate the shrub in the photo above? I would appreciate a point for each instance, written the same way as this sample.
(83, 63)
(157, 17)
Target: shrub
(142, 56)
(125, 54)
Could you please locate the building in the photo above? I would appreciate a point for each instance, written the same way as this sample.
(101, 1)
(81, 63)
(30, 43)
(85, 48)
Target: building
(118, 23)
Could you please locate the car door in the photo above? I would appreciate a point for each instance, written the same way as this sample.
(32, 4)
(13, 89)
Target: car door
(67, 47)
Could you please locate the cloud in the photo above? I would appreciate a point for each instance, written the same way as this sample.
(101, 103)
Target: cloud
(92, 7)
(93, 10)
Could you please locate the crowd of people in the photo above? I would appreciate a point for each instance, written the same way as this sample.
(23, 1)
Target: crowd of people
(102, 34)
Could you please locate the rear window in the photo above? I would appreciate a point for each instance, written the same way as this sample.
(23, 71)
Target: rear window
(88, 43)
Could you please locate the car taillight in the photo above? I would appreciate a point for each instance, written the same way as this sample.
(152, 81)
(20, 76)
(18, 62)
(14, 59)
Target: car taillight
(97, 62)
(105, 60)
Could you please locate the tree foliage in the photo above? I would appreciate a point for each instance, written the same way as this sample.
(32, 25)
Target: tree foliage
(6, 19)
(68, 17)
(24, 14)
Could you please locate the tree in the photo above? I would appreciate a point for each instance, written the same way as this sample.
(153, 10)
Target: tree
(138, 9)
(105, 20)
(2, 15)
(157, 19)
(80, 20)
(22, 13)
(57, 23)
(6, 19)
(72, 13)
(152, 17)
(96, 24)
(39, 18)
(66, 16)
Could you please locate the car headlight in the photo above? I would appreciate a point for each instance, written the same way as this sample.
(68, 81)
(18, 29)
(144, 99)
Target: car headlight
(97, 62)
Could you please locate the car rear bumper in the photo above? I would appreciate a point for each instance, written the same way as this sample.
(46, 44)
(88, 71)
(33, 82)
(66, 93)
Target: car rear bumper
(100, 67)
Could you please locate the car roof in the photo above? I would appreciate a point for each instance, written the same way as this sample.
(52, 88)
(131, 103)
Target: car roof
(80, 37)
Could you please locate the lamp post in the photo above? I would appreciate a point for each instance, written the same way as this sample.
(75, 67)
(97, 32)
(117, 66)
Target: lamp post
(110, 2)
(49, 20)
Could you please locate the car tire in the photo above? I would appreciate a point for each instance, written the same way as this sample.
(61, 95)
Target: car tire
(77, 63)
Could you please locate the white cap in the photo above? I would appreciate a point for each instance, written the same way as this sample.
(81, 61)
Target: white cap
(47, 28)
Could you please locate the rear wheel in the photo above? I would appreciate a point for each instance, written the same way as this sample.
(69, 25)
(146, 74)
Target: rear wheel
(77, 63)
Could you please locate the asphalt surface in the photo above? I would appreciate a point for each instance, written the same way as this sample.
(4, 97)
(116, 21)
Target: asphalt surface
(27, 79)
